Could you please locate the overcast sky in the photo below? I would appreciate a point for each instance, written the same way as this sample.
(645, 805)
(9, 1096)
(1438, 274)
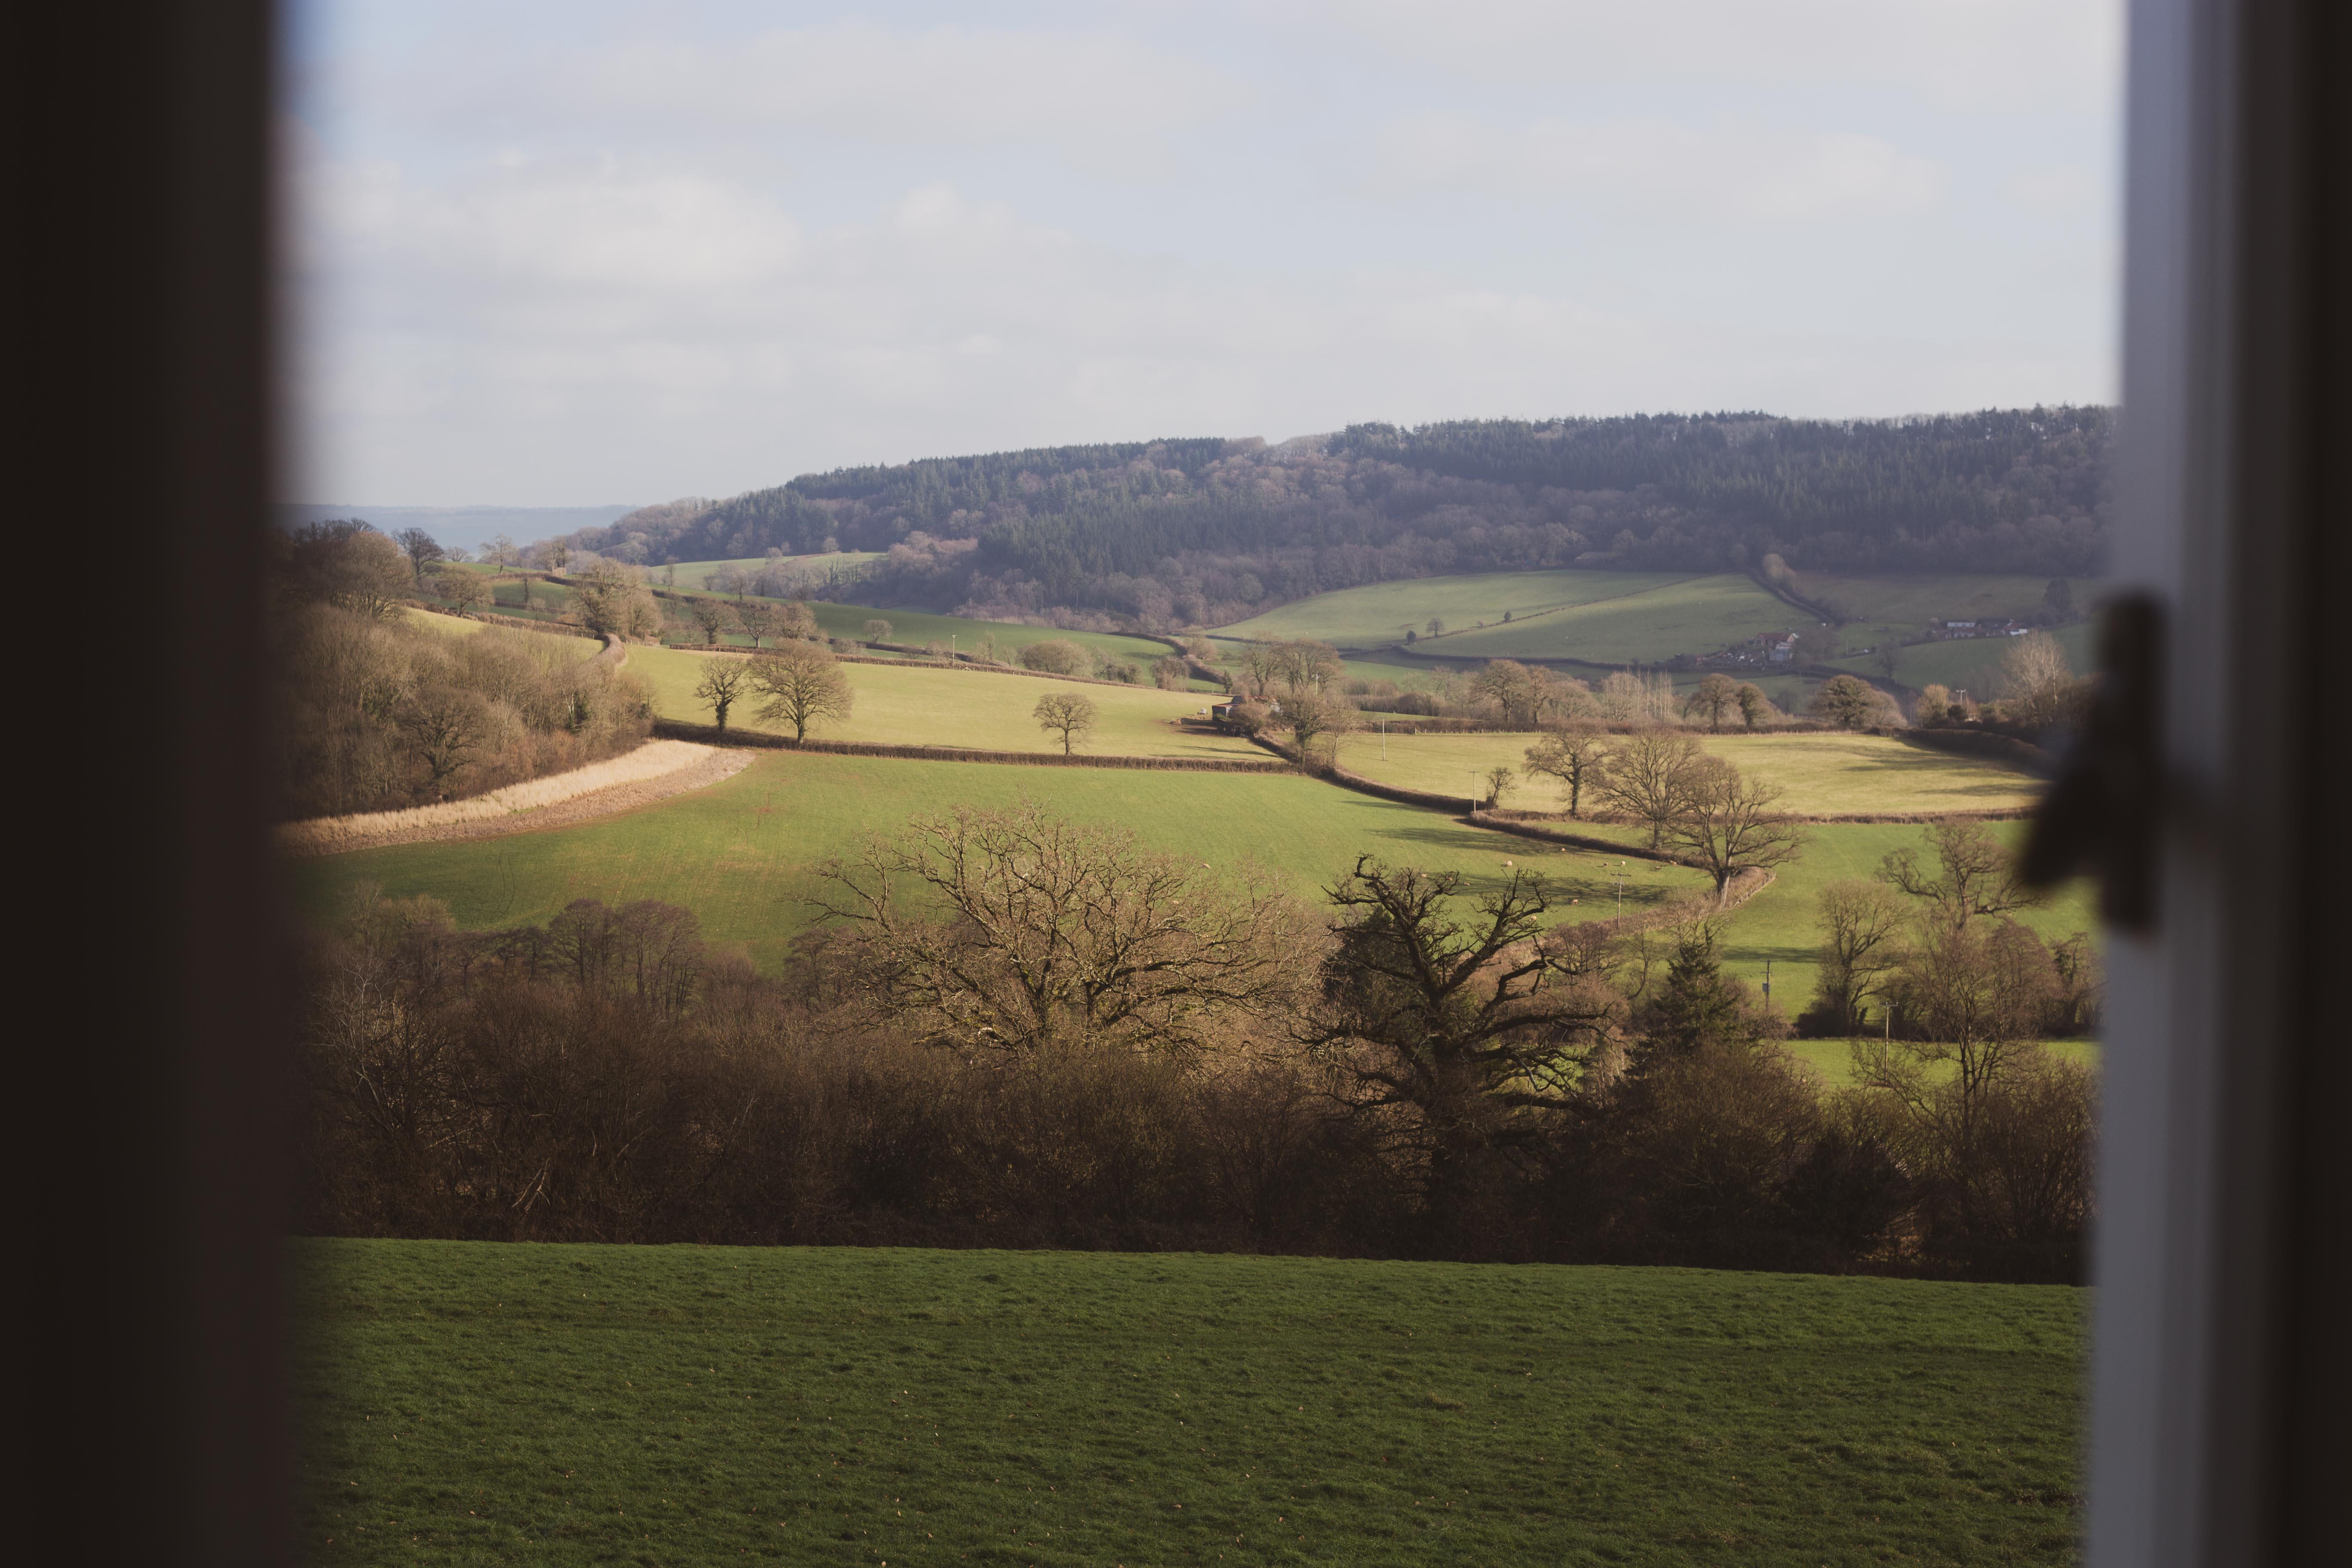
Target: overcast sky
(563, 254)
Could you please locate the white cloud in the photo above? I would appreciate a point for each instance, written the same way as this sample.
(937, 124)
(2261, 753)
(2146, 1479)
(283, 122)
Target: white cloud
(1109, 105)
(1976, 53)
(2059, 191)
(553, 332)
(1660, 166)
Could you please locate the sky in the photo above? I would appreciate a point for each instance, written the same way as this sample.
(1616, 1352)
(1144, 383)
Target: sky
(599, 252)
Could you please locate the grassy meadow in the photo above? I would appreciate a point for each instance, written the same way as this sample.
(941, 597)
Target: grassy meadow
(1379, 612)
(741, 853)
(1697, 614)
(917, 705)
(468, 1402)
(1972, 664)
(1820, 774)
(456, 627)
(1780, 925)
(920, 627)
(1907, 600)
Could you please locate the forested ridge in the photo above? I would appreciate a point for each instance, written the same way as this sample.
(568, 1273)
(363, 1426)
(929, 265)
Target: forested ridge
(1204, 531)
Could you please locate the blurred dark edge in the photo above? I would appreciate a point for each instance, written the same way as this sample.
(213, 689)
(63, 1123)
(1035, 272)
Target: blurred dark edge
(2219, 1394)
(153, 1158)
(153, 1132)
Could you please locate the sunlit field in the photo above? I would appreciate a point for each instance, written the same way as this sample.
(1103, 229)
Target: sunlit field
(1820, 774)
(741, 854)
(979, 710)
(1698, 614)
(1379, 613)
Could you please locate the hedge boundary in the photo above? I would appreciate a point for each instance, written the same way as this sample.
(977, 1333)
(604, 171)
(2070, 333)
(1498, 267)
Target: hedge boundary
(709, 735)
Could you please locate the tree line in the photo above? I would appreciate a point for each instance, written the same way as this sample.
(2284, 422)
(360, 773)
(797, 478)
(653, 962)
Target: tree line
(379, 712)
(1203, 532)
(1008, 1029)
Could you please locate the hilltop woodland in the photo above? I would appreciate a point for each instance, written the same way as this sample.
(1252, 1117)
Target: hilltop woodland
(381, 712)
(1166, 534)
(1010, 1030)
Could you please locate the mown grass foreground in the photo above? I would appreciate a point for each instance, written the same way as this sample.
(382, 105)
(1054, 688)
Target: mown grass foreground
(479, 1402)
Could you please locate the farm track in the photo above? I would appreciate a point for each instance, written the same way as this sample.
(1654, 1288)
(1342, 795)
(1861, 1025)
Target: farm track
(698, 767)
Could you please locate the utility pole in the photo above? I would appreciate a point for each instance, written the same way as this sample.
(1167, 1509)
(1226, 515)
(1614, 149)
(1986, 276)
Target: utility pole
(1767, 982)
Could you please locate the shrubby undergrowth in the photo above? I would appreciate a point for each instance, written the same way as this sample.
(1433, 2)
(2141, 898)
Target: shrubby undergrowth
(381, 713)
(1065, 1041)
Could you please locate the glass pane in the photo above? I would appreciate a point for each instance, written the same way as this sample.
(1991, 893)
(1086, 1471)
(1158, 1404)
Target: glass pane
(1088, 782)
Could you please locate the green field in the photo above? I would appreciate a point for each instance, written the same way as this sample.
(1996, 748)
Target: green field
(1379, 612)
(1696, 615)
(740, 854)
(1834, 1059)
(1909, 601)
(1782, 924)
(920, 706)
(1820, 774)
(921, 626)
(467, 1402)
(453, 627)
(1973, 663)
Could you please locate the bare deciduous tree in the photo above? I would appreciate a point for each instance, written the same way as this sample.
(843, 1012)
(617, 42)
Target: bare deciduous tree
(1463, 1031)
(421, 549)
(1060, 935)
(1069, 715)
(1306, 666)
(1520, 692)
(444, 726)
(1574, 755)
(462, 589)
(2037, 686)
(1716, 695)
(799, 684)
(1861, 928)
(1057, 655)
(878, 630)
(1650, 777)
(713, 615)
(1314, 715)
(1976, 874)
(1259, 662)
(1730, 824)
(763, 620)
(1499, 781)
(1850, 702)
(1170, 674)
(724, 683)
(1754, 706)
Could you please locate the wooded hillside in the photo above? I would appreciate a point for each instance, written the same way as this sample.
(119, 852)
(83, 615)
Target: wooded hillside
(1203, 532)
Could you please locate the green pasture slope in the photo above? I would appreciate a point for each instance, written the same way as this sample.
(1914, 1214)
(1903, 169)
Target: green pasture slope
(1696, 616)
(741, 854)
(1820, 774)
(920, 627)
(915, 705)
(474, 1403)
(1907, 600)
(1378, 613)
(1782, 924)
(1971, 664)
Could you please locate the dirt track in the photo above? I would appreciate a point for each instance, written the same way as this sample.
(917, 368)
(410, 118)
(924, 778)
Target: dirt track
(341, 834)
